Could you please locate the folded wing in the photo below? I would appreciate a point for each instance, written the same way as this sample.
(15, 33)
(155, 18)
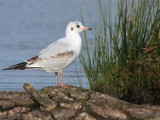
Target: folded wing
(55, 56)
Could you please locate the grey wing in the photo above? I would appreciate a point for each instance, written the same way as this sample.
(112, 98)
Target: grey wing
(55, 48)
(56, 56)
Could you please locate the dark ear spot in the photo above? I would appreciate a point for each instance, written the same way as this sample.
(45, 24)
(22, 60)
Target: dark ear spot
(71, 28)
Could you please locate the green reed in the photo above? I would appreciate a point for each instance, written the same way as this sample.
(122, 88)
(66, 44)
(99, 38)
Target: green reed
(124, 59)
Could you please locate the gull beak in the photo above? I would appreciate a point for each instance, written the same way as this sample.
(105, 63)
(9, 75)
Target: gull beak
(86, 28)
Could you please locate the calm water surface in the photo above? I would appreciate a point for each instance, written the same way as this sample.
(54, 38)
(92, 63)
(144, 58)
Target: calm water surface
(26, 27)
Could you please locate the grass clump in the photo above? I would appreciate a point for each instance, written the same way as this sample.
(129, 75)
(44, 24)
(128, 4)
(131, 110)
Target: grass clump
(124, 60)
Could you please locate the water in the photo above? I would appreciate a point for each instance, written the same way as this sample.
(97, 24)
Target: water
(28, 26)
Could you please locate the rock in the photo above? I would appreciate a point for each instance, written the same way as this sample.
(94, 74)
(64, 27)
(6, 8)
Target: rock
(55, 103)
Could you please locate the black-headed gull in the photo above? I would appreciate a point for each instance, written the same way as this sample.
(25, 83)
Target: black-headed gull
(58, 55)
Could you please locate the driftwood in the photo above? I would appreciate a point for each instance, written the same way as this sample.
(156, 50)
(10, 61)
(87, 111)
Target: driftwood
(54, 103)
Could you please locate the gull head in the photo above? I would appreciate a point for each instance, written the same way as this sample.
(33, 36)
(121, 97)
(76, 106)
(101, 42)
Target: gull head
(76, 27)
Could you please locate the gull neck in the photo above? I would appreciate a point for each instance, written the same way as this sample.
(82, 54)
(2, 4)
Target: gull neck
(72, 35)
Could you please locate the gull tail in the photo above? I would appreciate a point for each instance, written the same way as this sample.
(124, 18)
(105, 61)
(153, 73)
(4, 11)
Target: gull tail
(20, 66)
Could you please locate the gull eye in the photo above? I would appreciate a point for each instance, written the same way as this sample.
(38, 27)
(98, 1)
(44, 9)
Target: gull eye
(78, 26)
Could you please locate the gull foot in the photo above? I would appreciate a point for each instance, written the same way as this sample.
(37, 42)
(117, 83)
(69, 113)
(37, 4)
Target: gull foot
(58, 85)
(64, 86)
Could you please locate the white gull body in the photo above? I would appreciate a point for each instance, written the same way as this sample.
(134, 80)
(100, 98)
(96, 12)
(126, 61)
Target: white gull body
(58, 55)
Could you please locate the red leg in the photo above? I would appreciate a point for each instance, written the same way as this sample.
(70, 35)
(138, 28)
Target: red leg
(56, 73)
(62, 82)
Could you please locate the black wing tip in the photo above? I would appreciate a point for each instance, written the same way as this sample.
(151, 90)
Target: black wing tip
(7, 68)
(20, 66)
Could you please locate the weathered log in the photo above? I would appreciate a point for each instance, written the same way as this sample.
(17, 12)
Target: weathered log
(70, 104)
(45, 103)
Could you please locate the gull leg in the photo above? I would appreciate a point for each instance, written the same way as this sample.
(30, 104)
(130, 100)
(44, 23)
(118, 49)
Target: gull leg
(56, 73)
(62, 82)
